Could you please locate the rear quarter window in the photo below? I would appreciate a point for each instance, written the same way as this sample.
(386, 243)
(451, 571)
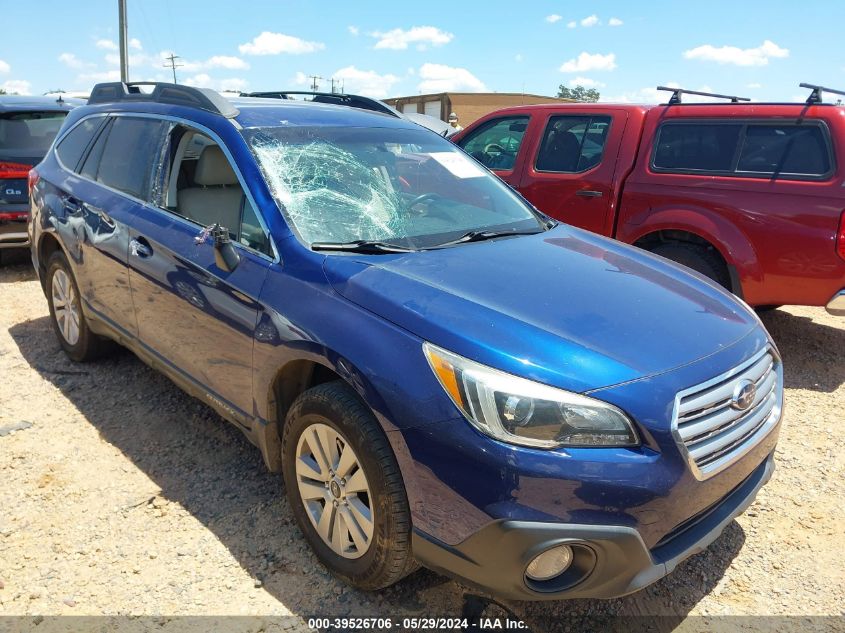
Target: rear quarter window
(73, 145)
(784, 150)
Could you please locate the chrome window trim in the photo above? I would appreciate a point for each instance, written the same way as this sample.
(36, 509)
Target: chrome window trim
(275, 259)
(758, 436)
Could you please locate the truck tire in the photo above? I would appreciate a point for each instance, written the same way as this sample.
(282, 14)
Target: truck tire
(702, 259)
(69, 323)
(345, 488)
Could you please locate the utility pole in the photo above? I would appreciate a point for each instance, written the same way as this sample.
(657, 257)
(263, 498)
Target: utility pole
(173, 65)
(315, 86)
(124, 41)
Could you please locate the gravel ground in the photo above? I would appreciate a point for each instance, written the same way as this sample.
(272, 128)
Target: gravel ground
(122, 495)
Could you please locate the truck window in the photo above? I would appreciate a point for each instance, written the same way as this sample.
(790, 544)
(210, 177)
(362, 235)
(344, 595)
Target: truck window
(699, 147)
(785, 150)
(572, 144)
(496, 143)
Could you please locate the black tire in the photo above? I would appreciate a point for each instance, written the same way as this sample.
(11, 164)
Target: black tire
(89, 346)
(388, 558)
(702, 259)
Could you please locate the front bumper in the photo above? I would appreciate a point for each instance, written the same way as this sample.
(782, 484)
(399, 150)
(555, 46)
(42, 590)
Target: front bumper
(836, 306)
(610, 561)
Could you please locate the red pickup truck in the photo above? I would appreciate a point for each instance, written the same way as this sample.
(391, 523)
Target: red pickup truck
(748, 194)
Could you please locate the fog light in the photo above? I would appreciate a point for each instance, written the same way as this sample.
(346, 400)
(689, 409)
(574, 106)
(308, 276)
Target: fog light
(551, 563)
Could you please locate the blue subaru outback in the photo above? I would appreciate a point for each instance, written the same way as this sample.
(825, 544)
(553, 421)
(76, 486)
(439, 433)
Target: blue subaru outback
(443, 375)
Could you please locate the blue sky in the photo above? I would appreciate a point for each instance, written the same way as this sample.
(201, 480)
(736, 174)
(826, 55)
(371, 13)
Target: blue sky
(756, 49)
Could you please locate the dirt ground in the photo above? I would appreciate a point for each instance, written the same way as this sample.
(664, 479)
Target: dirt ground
(126, 496)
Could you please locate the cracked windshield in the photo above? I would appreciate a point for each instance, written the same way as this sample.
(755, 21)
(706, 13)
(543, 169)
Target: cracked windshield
(405, 188)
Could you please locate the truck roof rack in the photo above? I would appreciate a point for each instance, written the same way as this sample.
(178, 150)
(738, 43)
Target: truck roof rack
(173, 94)
(353, 101)
(677, 95)
(816, 94)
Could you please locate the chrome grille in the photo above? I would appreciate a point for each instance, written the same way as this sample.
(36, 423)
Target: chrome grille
(710, 425)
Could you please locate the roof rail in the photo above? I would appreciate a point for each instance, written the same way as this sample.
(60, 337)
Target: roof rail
(816, 94)
(173, 94)
(677, 94)
(353, 101)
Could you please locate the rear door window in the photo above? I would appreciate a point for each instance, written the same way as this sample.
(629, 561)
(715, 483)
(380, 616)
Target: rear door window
(572, 144)
(129, 153)
(496, 143)
(73, 145)
(787, 150)
(691, 147)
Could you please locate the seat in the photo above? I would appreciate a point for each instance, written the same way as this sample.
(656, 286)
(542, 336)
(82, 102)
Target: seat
(218, 198)
(560, 153)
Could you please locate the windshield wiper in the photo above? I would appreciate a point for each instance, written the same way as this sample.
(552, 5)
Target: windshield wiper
(360, 246)
(480, 236)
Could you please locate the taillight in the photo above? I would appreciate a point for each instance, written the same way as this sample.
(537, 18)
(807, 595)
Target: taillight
(840, 236)
(33, 179)
(14, 170)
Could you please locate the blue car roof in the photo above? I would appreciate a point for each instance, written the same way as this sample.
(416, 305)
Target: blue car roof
(260, 112)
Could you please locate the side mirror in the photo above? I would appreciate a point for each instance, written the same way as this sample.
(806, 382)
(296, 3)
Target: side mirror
(225, 254)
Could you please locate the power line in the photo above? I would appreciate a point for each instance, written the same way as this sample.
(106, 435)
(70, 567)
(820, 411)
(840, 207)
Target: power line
(315, 85)
(173, 65)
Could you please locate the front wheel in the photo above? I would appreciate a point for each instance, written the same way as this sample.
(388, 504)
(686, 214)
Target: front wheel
(345, 488)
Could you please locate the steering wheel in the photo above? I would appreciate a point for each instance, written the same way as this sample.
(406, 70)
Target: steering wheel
(423, 198)
(493, 149)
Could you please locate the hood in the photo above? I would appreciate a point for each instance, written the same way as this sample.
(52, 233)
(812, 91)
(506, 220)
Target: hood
(565, 307)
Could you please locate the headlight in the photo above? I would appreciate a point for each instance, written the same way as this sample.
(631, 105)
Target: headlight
(521, 411)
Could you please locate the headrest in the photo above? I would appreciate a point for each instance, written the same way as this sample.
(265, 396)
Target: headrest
(213, 168)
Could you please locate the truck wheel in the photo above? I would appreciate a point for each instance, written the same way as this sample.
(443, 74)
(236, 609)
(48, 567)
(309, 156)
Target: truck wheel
(65, 303)
(345, 489)
(701, 259)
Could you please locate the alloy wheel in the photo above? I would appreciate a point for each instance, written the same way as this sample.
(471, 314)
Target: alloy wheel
(334, 490)
(66, 307)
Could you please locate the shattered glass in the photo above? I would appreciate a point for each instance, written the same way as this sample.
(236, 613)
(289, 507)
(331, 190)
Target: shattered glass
(329, 193)
(405, 187)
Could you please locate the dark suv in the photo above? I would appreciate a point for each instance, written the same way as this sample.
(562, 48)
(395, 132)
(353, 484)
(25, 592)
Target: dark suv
(28, 126)
(374, 310)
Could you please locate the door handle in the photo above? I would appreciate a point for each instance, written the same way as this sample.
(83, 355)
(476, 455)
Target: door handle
(73, 206)
(140, 248)
(588, 193)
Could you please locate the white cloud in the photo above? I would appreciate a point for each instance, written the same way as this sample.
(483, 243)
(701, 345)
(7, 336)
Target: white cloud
(353, 30)
(586, 62)
(754, 86)
(268, 43)
(652, 95)
(586, 82)
(72, 61)
(615, 22)
(135, 43)
(554, 17)
(518, 57)
(758, 56)
(227, 61)
(204, 80)
(422, 36)
(366, 82)
(107, 45)
(18, 86)
(589, 21)
(4, 67)
(441, 78)
(95, 77)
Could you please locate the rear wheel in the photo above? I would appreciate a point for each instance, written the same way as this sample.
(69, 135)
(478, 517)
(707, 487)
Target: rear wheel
(65, 302)
(345, 489)
(702, 259)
